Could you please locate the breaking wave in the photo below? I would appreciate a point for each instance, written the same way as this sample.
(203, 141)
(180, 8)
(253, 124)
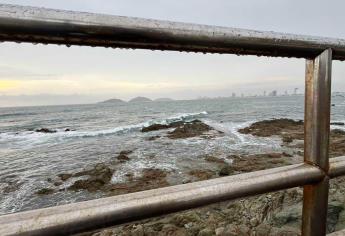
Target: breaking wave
(32, 137)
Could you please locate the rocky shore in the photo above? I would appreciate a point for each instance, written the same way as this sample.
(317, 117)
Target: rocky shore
(277, 213)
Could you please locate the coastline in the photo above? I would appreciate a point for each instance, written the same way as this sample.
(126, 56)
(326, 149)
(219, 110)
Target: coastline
(277, 213)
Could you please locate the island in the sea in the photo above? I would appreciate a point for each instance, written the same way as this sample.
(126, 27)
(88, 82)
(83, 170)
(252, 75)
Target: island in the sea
(140, 99)
(113, 100)
(164, 100)
(136, 100)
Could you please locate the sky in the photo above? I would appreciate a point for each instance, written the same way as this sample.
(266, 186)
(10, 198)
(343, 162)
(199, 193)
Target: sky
(47, 75)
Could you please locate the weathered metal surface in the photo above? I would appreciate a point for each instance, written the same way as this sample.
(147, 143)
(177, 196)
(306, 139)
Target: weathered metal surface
(38, 25)
(317, 109)
(89, 215)
(337, 167)
(315, 202)
(316, 141)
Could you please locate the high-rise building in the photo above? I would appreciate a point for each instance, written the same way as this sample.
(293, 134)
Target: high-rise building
(273, 93)
(295, 91)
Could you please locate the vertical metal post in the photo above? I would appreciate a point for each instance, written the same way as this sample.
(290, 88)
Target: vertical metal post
(316, 141)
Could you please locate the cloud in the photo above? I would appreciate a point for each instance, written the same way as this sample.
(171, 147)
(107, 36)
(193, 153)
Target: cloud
(20, 72)
(36, 69)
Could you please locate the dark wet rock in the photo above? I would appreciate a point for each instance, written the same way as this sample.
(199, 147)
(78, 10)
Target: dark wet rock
(182, 129)
(126, 152)
(226, 170)
(123, 156)
(45, 191)
(150, 179)
(64, 176)
(172, 230)
(206, 232)
(268, 128)
(263, 229)
(138, 231)
(333, 212)
(45, 130)
(290, 130)
(338, 123)
(176, 124)
(290, 216)
(201, 174)
(12, 185)
(185, 218)
(256, 162)
(337, 132)
(152, 138)
(154, 127)
(92, 184)
(285, 231)
(233, 230)
(285, 154)
(287, 139)
(58, 183)
(98, 177)
(188, 130)
(214, 159)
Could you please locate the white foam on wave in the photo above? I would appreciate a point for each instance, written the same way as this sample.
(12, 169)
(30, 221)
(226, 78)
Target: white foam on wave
(341, 127)
(31, 138)
(239, 141)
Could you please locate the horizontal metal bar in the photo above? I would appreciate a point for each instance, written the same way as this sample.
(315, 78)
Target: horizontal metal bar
(94, 214)
(38, 25)
(89, 215)
(337, 167)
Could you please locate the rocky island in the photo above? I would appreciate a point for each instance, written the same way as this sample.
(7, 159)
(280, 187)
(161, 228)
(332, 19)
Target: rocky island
(164, 100)
(140, 99)
(113, 100)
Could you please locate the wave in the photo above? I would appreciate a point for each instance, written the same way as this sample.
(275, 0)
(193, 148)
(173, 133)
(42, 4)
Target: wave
(5, 115)
(136, 127)
(336, 126)
(32, 137)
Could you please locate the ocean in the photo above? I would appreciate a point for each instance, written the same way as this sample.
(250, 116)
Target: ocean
(99, 132)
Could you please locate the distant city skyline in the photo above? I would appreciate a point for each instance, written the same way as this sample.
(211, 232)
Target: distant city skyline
(50, 99)
(60, 75)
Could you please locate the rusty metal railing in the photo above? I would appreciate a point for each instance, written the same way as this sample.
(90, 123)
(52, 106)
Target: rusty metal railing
(37, 25)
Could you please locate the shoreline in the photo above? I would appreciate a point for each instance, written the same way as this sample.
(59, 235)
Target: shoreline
(277, 213)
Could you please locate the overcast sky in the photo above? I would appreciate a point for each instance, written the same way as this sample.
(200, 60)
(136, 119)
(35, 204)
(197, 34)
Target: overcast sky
(57, 74)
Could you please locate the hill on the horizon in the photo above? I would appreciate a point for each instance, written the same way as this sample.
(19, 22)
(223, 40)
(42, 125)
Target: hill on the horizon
(164, 99)
(113, 100)
(140, 99)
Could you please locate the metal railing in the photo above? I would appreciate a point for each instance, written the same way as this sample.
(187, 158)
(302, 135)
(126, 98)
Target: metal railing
(37, 25)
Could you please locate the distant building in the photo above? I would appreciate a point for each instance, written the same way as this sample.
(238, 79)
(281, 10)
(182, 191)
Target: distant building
(273, 93)
(233, 95)
(264, 93)
(295, 91)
